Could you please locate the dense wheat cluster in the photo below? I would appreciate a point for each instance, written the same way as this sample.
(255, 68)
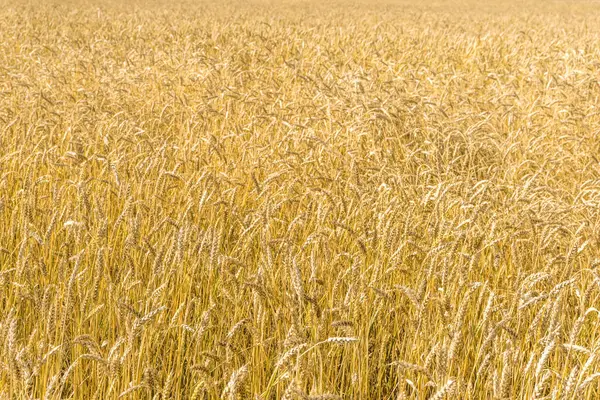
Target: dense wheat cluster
(355, 200)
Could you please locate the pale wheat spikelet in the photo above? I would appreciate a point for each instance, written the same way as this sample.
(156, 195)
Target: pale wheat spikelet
(11, 336)
(586, 367)
(33, 234)
(295, 389)
(236, 328)
(555, 314)
(410, 294)
(51, 387)
(487, 310)
(289, 354)
(421, 314)
(584, 298)
(98, 274)
(169, 256)
(139, 324)
(340, 340)
(495, 383)
(488, 340)
(174, 318)
(113, 168)
(289, 392)
(454, 345)
(84, 197)
(462, 308)
(535, 278)
(149, 378)
(507, 373)
(69, 297)
(576, 328)
(167, 388)
(403, 365)
(577, 348)
(431, 357)
(314, 267)
(442, 364)
(67, 373)
(50, 228)
(583, 385)
(484, 365)
(296, 279)
(156, 294)
(532, 301)
(544, 357)
(342, 324)
(22, 257)
(552, 262)
(44, 359)
(198, 390)
(560, 286)
(540, 386)
(149, 316)
(234, 389)
(539, 317)
(569, 386)
(102, 233)
(446, 390)
(157, 267)
(132, 389)
(124, 214)
(51, 321)
(204, 321)
(401, 391)
(182, 239)
(444, 272)
(529, 364)
(89, 343)
(214, 249)
(133, 237)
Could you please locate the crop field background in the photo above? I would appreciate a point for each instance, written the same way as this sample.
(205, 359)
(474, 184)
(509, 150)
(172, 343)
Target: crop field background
(299, 200)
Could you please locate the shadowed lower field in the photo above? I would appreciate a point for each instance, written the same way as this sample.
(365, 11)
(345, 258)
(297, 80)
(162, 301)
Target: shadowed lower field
(299, 200)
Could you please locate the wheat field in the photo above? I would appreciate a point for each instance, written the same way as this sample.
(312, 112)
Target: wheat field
(299, 200)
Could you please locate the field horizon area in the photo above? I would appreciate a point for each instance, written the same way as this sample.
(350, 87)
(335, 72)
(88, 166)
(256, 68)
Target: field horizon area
(299, 200)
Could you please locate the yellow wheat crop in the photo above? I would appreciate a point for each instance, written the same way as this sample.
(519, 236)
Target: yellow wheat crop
(299, 199)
